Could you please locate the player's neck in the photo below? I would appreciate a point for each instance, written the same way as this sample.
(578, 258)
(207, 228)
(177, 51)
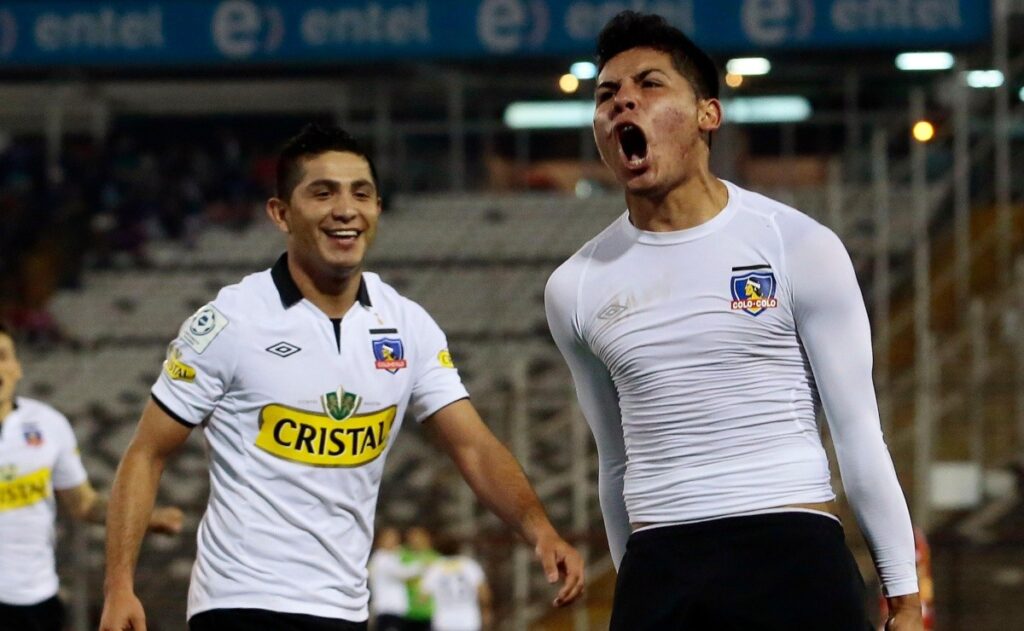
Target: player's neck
(690, 203)
(6, 407)
(334, 295)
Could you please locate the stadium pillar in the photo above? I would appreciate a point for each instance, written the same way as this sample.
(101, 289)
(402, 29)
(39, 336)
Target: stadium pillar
(834, 196)
(926, 364)
(979, 376)
(80, 584)
(962, 187)
(54, 131)
(580, 499)
(382, 127)
(1018, 338)
(99, 120)
(456, 131)
(520, 421)
(1000, 52)
(924, 430)
(522, 150)
(852, 114)
(882, 280)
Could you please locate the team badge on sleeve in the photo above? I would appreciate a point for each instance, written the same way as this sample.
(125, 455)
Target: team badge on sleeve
(390, 354)
(33, 437)
(202, 328)
(445, 359)
(753, 292)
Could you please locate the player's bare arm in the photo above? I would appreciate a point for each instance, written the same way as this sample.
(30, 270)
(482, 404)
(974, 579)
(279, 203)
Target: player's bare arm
(498, 480)
(84, 503)
(131, 506)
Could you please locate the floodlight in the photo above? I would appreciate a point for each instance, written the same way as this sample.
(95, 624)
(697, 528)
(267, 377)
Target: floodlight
(923, 131)
(583, 70)
(937, 60)
(984, 78)
(748, 66)
(767, 109)
(549, 114)
(568, 83)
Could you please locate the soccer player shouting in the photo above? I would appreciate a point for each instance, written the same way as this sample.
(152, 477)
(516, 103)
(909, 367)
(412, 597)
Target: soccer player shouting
(702, 328)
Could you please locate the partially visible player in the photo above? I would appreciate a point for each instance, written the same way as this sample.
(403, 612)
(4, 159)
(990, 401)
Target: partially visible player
(389, 593)
(703, 328)
(39, 459)
(462, 598)
(418, 551)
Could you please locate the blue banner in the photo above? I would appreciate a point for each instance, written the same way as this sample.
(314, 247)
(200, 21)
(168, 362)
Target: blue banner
(189, 32)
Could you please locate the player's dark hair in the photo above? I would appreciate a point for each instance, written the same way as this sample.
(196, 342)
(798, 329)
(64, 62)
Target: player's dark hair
(310, 142)
(630, 29)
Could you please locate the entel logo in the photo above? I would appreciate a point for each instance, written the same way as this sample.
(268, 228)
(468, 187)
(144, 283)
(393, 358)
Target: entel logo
(241, 29)
(505, 26)
(8, 33)
(776, 21)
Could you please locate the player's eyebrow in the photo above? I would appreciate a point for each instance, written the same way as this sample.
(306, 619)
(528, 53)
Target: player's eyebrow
(334, 185)
(639, 76)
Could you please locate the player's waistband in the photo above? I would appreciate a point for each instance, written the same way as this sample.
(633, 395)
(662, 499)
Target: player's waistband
(753, 513)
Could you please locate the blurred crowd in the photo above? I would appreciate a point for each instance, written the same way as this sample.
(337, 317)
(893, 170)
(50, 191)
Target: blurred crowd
(98, 204)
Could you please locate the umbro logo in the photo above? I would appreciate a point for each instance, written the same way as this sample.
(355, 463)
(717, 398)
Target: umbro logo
(611, 311)
(283, 349)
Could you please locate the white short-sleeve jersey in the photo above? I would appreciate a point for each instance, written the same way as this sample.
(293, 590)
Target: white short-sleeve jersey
(699, 356)
(299, 412)
(454, 582)
(38, 454)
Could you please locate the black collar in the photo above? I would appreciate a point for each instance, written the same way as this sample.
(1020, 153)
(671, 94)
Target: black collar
(291, 294)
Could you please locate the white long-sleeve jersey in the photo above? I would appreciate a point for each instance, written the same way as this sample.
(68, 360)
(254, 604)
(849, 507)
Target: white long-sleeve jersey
(699, 356)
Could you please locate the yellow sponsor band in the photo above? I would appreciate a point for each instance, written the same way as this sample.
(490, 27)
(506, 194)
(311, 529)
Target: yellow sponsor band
(318, 440)
(445, 359)
(179, 370)
(25, 491)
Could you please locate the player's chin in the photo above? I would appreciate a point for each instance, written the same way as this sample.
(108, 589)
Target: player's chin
(644, 185)
(345, 263)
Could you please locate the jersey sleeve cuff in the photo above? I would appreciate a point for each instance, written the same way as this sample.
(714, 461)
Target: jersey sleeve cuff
(901, 588)
(75, 482)
(433, 409)
(171, 413)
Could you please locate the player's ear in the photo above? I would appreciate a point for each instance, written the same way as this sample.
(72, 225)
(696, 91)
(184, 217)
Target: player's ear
(277, 210)
(709, 114)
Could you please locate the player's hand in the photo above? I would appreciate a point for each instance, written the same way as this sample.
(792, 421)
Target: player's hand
(166, 520)
(561, 561)
(122, 611)
(904, 613)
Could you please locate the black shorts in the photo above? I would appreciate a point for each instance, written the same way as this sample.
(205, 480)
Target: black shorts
(778, 571)
(264, 620)
(389, 622)
(45, 616)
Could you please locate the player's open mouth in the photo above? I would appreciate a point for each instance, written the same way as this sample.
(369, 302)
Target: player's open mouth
(633, 145)
(343, 235)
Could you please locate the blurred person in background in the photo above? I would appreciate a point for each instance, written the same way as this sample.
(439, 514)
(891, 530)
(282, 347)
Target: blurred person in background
(701, 328)
(39, 459)
(296, 457)
(458, 586)
(389, 593)
(418, 552)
